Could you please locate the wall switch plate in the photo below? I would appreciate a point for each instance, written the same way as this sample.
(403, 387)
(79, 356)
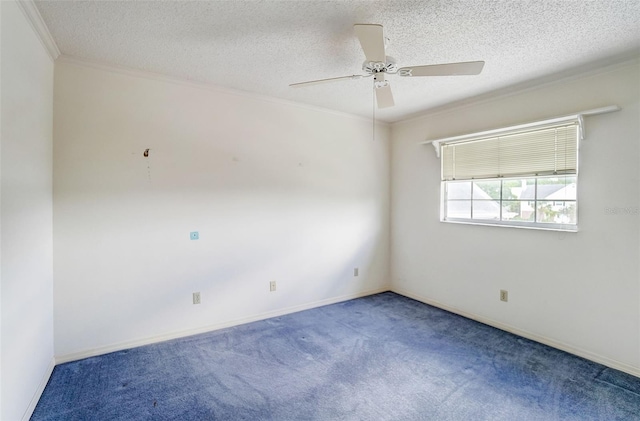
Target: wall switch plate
(504, 295)
(355, 272)
(272, 286)
(194, 235)
(196, 298)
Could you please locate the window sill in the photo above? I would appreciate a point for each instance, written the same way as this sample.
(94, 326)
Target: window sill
(523, 225)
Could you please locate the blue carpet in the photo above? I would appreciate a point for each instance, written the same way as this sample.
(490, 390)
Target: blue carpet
(382, 357)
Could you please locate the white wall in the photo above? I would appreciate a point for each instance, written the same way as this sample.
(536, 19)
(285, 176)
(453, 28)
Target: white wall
(277, 192)
(579, 291)
(25, 214)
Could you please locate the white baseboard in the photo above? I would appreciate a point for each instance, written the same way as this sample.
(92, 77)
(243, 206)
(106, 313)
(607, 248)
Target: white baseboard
(635, 371)
(190, 332)
(36, 396)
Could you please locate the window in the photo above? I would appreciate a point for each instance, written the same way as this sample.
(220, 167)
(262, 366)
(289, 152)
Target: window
(526, 177)
(532, 201)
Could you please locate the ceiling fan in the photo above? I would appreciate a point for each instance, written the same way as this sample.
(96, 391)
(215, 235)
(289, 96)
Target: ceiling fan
(378, 64)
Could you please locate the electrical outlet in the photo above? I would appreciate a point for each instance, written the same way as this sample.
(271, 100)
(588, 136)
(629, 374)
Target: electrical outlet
(196, 298)
(504, 295)
(272, 286)
(355, 272)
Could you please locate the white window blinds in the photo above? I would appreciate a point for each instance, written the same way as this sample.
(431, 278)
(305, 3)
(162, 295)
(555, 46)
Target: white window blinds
(536, 151)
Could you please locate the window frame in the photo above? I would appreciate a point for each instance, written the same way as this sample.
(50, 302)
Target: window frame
(513, 132)
(566, 227)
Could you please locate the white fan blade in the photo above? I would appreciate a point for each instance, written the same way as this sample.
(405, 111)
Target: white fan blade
(449, 69)
(331, 79)
(384, 97)
(371, 39)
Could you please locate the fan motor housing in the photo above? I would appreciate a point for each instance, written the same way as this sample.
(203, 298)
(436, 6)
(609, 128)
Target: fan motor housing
(373, 67)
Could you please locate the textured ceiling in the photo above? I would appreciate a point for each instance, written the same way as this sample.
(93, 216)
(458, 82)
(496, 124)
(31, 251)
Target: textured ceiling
(263, 46)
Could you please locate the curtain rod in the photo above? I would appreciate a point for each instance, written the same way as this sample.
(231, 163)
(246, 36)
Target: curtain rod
(577, 116)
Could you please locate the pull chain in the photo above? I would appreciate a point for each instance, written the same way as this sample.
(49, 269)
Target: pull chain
(373, 112)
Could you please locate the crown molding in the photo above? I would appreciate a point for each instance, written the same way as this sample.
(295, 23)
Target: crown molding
(160, 77)
(34, 17)
(629, 58)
